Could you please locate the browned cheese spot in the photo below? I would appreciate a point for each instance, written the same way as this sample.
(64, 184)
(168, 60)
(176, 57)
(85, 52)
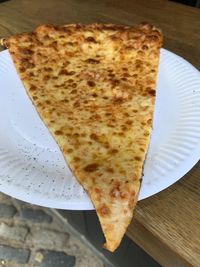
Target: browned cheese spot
(90, 39)
(35, 97)
(145, 47)
(138, 158)
(113, 151)
(151, 91)
(117, 191)
(32, 88)
(58, 132)
(110, 170)
(30, 74)
(141, 53)
(39, 105)
(27, 64)
(92, 61)
(74, 91)
(65, 100)
(91, 83)
(46, 78)
(74, 85)
(126, 75)
(94, 95)
(152, 37)
(126, 114)
(77, 159)
(46, 37)
(129, 122)
(48, 69)
(65, 30)
(69, 150)
(76, 104)
(114, 82)
(94, 137)
(70, 43)
(98, 190)
(91, 167)
(26, 51)
(22, 69)
(118, 100)
(103, 210)
(124, 128)
(54, 45)
(149, 122)
(95, 117)
(131, 201)
(66, 72)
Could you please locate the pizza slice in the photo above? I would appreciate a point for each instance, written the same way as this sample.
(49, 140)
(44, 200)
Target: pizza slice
(94, 88)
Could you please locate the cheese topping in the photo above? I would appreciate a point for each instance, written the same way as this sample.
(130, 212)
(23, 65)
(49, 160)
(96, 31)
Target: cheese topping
(94, 88)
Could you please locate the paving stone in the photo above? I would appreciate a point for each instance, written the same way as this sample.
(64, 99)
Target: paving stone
(7, 211)
(26, 228)
(8, 253)
(44, 237)
(17, 233)
(34, 215)
(92, 261)
(49, 258)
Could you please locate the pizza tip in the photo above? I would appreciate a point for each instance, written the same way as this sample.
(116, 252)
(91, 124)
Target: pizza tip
(110, 247)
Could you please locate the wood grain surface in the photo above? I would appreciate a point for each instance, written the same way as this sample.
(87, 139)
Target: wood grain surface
(166, 225)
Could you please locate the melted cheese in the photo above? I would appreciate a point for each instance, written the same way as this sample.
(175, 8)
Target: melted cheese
(94, 88)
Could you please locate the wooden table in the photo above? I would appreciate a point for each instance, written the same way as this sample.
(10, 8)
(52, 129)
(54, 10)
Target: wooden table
(166, 225)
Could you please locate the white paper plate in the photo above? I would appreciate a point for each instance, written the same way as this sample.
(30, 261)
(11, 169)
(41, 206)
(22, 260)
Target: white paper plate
(32, 167)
